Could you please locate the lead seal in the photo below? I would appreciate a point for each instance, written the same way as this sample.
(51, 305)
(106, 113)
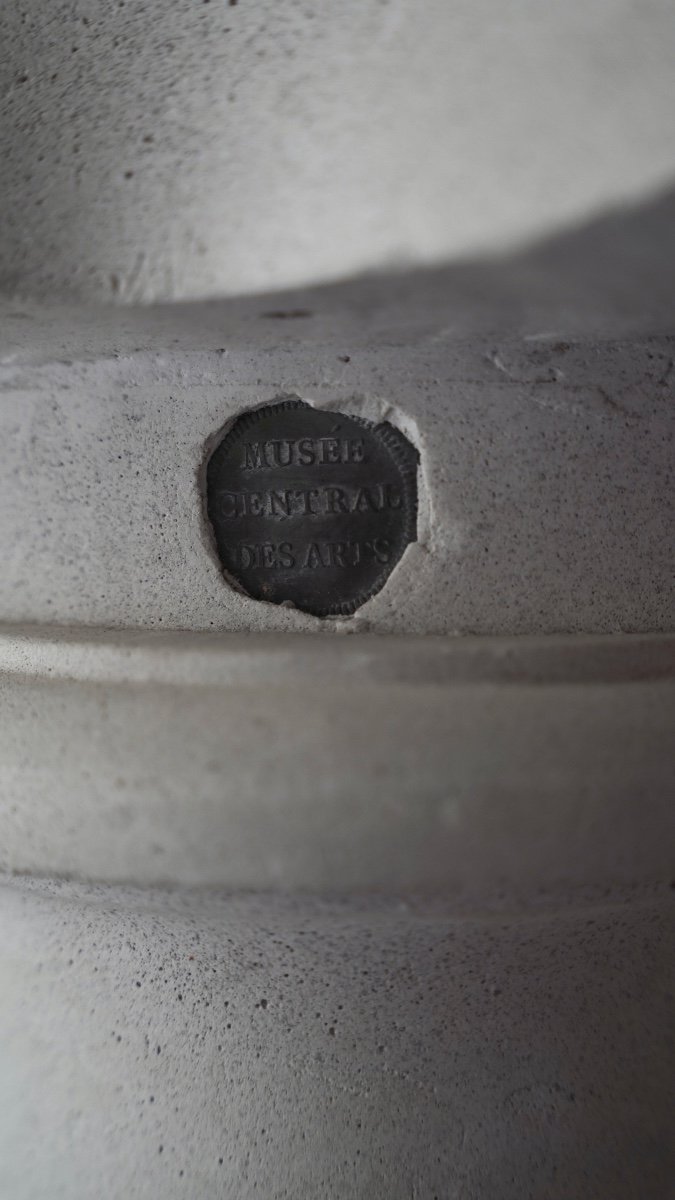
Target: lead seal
(311, 507)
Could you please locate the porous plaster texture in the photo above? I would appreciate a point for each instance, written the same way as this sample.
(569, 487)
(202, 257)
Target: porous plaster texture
(456, 977)
(163, 1044)
(539, 391)
(165, 149)
(439, 766)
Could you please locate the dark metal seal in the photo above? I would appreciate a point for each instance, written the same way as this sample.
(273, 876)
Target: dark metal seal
(311, 507)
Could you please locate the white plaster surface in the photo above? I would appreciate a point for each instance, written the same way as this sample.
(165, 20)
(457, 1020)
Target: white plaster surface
(338, 764)
(486, 1008)
(188, 1045)
(176, 148)
(539, 391)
